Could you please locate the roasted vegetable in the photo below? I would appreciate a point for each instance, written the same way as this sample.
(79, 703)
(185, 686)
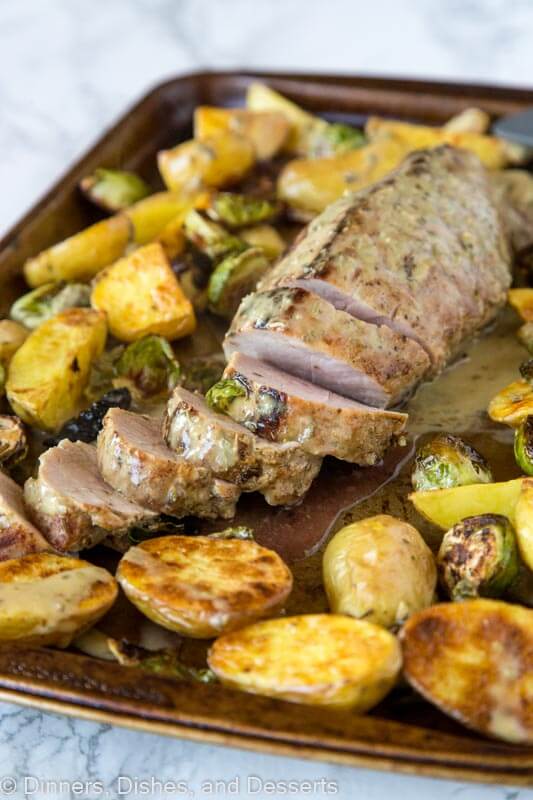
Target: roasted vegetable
(522, 301)
(114, 189)
(446, 507)
(474, 661)
(48, 599)
(218, 161)
(478, 557)
(172, 238)
(235, 276)
(238, 211)
(523, 517)
(103, 373)
(196, 585)
(513, 404)
(525, 336)
(202, 373)
(88, 424)
(445, 461)
(150, 365)
(523, 445)
(470, 120)
(141, 295)
(13, 441)
(210, 238)
(149, 218)
(238, 532)
(42, 303)
(222, 394)
(379, 569)
(12, 336)
(526, 370)
(325, 660)
(335, 139)
(266, 238)
(266, 130)
(48, 373)
(165, 663)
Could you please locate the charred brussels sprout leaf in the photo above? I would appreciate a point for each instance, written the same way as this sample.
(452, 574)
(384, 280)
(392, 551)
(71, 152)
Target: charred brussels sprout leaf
(114, 189)
(13, 441)
(161, 662)
(201, 373)
(45, 302)
(222, 394)
(478, 557)
(238, 532)
(103, 372)
(210, 238)
(235, 276)
(150, 365)
(446, 461)
(87, 425)
(523, 446)
(238, 211)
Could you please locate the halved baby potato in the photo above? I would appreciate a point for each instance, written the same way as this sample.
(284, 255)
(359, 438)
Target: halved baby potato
(522, 301)
(47, 599)
(202, 587)
(217, 161)
(474, 660)
(316, 659)
(513, 404)
(266, 130)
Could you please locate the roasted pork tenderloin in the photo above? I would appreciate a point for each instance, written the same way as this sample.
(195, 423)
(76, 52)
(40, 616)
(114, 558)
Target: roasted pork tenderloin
(281, 472)
(18, 536)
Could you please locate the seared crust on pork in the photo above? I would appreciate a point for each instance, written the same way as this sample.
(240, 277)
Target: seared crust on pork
(18, 537)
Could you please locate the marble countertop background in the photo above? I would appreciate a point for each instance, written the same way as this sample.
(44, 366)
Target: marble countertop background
(68, 68)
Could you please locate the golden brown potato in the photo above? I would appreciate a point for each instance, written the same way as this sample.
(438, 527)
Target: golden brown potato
(522, 301)
(512, 404)
(12, 335)
(446, 507)
(266, 130)
(218, 161)
(150, 217)
(471, 120)
(201, 587)
(379, 569)
(46, 599)
(523, 518)
(140, 295)
(49, 372)
(317, 659)
(474, 660)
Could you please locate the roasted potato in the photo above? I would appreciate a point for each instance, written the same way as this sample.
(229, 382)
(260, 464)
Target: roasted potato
(522, 301)
(317, 659)
(523, 517)
(48, 373)
(379, 569)
(470, 120)
(150, 217)
(218, 161)
(266, 130)
(474, 660)
(47, 599)
(513, 404)
(446, 507)
(201, 587)
(12, 336)
(265, 237)
(141, 295)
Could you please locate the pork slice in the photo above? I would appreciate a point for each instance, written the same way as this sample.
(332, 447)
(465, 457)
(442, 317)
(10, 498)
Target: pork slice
(282, 408)
(281, 472)
(134, 460)
(305, 335)
(18, 537)
(73, 505)
(423, 251)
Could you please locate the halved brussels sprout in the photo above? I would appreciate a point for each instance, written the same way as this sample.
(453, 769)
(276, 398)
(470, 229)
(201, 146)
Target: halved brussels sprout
(235, 276)
(523, 445)
(222, 394)
(447, 461)
(203, 372)
(478, 557)
(150, 365)
(114, 189)
(13, 441)
(526, 370)
(45, 302)
(266, 238)
(335, 139)
(210, 237)
(103, 373)
(165, 663)
(238, 211)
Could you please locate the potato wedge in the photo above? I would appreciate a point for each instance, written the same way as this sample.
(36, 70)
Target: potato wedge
(522, 301)
(49, 372)
(446, 507)
(379, 569)
(523, 519)
(513, 404)
(471, 120)
(317, 659)
(46, 599)
(474, 660)
(141, 295)
(12, 336)
(266, 130)
(150, 217)
(201, 587)
(218, 161)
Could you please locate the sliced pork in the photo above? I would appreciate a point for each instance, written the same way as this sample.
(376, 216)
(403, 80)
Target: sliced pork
(282, 408)
(18, 537)
(305, 335)
(72, 504)
(135, 461)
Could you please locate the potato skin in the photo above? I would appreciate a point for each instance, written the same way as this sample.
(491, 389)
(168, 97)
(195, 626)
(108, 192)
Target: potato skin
(474, 660)
(49, 371)
(217, 161)
(12, 336)
(48, 609)
(202, 587)
(446, 507)
(379, 569)
(141, 295)
(317, 659)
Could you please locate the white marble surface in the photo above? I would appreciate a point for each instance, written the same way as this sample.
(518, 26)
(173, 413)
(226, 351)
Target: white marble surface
(67, 69)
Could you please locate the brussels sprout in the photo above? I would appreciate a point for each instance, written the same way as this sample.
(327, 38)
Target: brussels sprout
(266, 238)
(150, 365)
(210, 238)
(222, 394)
(526, 370)
(114, 189)
(87, 425)
(525, 336)
(235, 276)
(237, 210)
(523, 445)
(238, 532)
(447, 461)
(13, 441)
(201, 373)
(39, 305)
(103, 373)
(478, 557)
(335, 139)
(165, 663)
